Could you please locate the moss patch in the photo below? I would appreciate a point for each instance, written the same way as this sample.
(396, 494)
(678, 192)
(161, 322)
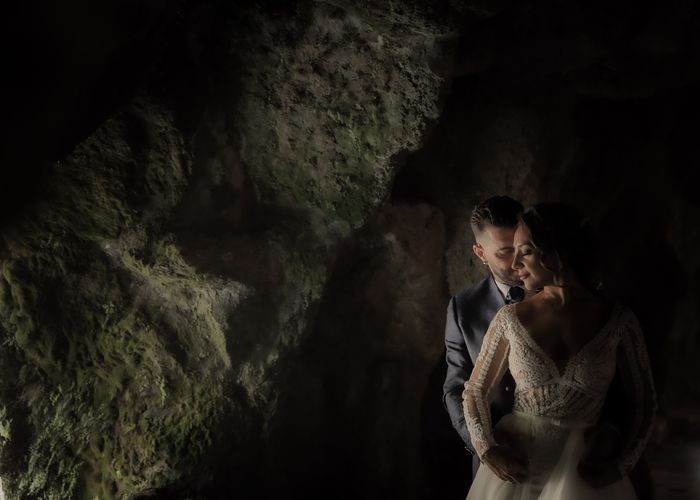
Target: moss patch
(327, 100)
(120, 342)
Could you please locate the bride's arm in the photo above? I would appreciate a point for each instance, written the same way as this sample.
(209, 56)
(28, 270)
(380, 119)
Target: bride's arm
(633, 363)
(490, 366)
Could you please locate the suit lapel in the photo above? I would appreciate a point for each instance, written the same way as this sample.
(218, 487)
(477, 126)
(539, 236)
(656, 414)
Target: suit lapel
(495, 295)
(477, 318)
(491, 303)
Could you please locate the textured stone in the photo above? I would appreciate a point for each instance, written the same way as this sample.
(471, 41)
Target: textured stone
(114, 350)
(144, 314)
(321, 115)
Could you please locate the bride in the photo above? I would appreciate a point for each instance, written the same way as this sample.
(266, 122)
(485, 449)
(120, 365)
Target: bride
(562, 346)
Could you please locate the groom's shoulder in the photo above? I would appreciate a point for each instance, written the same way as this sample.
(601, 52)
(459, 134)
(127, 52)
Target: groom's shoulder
(473, 295)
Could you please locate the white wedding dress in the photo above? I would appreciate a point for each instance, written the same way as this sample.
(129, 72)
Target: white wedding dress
(552, 409)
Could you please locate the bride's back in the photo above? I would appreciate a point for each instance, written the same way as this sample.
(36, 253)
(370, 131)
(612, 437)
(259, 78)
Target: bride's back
(562, 331)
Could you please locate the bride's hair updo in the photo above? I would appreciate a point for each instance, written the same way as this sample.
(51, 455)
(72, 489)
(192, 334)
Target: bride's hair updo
(559, 231)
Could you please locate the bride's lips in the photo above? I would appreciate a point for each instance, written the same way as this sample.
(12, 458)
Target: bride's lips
(523, 277)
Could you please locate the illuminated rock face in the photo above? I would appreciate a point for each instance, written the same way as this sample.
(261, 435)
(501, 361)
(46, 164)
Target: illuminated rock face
(177, 254)
(233, 283)
(115, 349)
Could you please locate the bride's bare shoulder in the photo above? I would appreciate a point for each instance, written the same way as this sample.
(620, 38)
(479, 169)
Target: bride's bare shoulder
(527, 309)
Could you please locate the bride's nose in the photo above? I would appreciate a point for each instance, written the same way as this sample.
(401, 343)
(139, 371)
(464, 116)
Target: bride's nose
(516, 263)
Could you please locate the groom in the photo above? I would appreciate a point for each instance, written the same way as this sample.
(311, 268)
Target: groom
(469, 314)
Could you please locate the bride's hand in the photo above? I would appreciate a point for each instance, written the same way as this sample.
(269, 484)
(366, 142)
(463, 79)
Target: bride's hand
(506, 464)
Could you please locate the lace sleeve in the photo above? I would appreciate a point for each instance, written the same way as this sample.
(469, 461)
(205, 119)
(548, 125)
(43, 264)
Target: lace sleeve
(633, 363)
(490, 366)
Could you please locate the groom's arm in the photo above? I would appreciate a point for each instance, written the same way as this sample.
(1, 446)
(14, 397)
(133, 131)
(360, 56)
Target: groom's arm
(459, 368)
(604, 440)
(598, 464)
(615, 413)
(630, 406)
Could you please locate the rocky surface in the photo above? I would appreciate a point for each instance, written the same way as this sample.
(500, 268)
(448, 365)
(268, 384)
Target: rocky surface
(114, 352)
(177, 254)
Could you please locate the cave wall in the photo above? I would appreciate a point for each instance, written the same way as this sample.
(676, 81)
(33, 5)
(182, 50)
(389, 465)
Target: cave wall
(227, 275)
(176, 254)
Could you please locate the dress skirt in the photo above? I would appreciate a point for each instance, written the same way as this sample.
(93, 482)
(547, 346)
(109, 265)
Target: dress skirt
(553, 448)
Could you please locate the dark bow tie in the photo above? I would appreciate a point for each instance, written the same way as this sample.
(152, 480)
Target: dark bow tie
(515, 294)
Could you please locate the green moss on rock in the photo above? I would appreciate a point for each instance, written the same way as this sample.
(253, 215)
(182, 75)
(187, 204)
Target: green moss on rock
(322, 116)
(113, 345)
(120, 342)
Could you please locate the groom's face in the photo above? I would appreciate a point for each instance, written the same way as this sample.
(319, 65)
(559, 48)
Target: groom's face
(494, 246)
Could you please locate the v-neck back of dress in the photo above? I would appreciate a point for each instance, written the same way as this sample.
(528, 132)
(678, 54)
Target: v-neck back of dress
(542, 389)
(557, 371)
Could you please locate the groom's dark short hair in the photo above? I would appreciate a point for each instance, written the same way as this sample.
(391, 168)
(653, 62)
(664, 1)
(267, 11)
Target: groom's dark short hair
(499, 211)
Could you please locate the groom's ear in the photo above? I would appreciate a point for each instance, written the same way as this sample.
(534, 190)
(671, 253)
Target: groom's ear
(479, 252)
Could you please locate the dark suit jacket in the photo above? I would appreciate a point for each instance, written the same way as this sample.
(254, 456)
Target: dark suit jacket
(468, 316)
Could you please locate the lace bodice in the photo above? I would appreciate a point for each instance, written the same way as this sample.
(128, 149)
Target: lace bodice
(576, 393)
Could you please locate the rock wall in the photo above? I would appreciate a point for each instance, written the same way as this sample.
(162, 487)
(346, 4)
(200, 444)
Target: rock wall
(179, 252)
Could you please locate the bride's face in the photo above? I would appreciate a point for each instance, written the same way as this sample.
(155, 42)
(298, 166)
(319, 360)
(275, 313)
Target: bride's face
(528, 261)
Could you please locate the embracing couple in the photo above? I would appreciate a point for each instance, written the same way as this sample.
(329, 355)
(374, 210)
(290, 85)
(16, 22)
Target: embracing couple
(548, 381)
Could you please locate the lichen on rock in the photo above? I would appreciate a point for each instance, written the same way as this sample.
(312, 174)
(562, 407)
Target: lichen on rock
(321, 117)
(123, 353)
(119, 343)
